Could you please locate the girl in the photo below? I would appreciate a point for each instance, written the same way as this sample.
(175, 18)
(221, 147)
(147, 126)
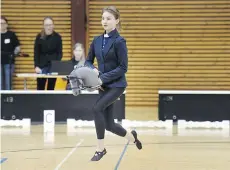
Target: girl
(47, 47)
(78, 54)
(77, 59)
(111, 52)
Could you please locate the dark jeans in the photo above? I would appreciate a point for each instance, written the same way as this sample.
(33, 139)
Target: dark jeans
(103, 113)
(41, 82)
(7, 71)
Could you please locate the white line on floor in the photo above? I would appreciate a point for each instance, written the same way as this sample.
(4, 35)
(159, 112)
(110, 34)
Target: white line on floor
(122, 154)
(69, 154)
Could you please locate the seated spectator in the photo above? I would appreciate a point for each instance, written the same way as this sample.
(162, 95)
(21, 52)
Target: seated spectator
(47, 47)
(78, 58)
(78, 54)
(10, 48)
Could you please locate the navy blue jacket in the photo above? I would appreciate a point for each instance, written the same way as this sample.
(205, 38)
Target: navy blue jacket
(112, 60)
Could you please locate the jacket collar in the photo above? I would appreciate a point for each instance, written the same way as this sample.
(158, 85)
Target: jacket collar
(111, 33)
(112, 37)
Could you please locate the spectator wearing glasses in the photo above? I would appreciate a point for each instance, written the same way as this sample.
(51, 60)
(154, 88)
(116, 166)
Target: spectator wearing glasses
(47, 47)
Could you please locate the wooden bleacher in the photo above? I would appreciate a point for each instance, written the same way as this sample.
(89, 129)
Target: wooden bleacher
(172, 45)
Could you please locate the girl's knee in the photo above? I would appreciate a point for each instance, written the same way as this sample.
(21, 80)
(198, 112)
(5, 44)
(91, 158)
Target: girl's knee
(96, 109)
(110, 127)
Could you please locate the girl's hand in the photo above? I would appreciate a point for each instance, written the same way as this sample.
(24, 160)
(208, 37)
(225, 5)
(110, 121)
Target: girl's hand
(96, 70)
(38, 70)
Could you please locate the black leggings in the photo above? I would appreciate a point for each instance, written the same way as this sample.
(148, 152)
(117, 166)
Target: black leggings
(103, 113)
(41, 83)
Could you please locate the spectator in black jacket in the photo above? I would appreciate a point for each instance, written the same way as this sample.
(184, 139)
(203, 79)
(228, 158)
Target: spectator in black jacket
(10, 47)
(47, 47)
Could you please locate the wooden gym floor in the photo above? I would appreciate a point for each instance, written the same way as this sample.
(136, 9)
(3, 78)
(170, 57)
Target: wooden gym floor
(32, 149)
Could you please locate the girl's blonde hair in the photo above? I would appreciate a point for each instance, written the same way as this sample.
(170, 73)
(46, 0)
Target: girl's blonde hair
(113, 10)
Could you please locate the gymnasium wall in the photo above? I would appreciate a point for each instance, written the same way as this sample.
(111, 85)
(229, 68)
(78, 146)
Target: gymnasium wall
(173, 45)
(25, 17)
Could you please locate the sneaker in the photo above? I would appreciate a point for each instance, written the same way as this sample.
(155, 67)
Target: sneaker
(98, 155)
(137, 142)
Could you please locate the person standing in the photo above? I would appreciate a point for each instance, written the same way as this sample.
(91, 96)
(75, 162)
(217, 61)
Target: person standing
(47, 47)
(10, 47)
